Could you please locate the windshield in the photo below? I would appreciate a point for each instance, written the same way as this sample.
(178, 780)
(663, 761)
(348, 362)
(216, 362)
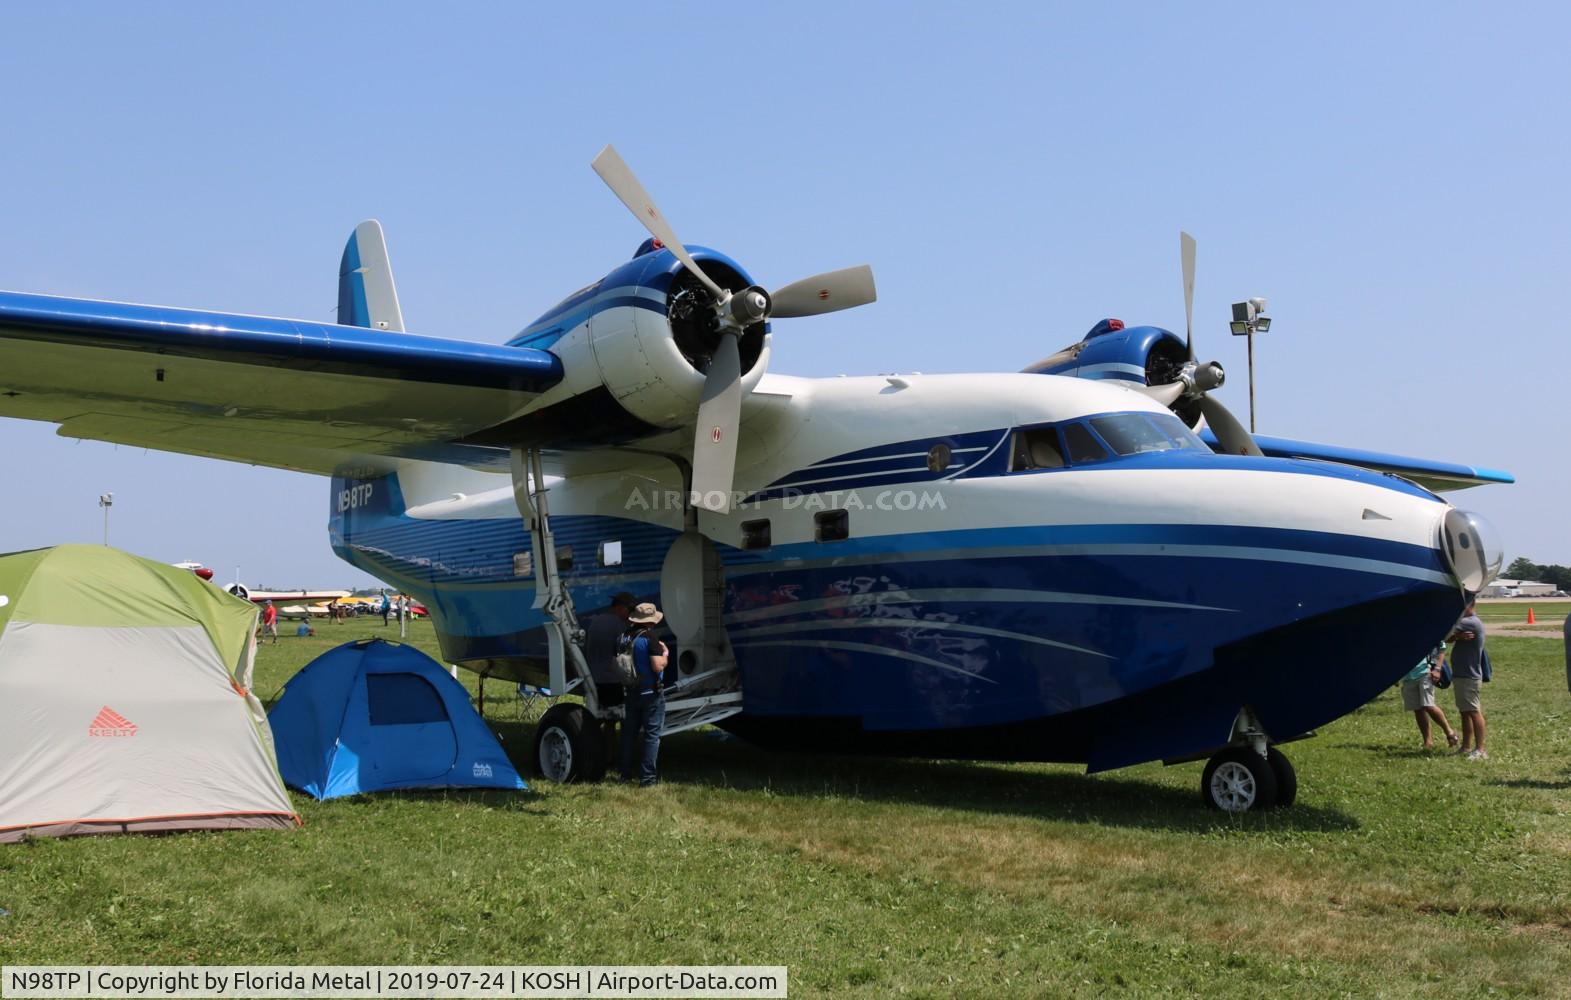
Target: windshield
(1139, 433)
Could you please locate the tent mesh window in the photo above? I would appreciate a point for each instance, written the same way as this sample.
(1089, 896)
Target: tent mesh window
(402, 700)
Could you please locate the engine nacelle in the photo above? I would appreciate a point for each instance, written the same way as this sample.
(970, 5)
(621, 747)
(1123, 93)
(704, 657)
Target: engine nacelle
(645, 333)
(1144, 355)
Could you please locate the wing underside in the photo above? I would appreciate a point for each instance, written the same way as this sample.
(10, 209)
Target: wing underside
(292, 394)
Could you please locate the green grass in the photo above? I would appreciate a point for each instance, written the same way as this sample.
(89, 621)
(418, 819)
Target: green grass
(1398, 874)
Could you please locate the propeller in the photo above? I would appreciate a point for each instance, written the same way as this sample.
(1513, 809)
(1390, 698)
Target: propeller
(1196, 381)
(1186, 253)
(720, 404)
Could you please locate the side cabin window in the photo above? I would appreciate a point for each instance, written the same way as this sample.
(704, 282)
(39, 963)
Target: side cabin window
(1037, 448)
(1082, 445)
(831, 526)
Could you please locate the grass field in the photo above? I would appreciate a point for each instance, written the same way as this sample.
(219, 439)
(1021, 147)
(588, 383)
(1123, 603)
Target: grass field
(1397, 874)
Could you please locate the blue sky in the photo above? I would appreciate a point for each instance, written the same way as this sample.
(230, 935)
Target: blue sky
(1392, 179)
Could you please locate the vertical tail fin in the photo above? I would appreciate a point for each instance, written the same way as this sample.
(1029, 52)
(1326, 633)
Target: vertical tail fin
(366, 296)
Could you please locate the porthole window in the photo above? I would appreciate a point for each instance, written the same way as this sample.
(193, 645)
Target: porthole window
(831, 526)
(938, 457)
(755, 534)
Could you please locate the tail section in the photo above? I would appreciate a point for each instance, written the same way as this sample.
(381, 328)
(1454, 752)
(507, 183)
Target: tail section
(366, 296)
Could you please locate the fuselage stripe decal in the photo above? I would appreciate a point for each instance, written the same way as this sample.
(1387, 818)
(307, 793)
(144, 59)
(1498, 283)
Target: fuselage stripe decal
(863, 647)
(907, 623)
(978, 595)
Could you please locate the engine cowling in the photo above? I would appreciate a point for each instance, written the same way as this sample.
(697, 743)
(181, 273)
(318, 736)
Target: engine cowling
(646, 334)
(1144, 355)
(654, 360)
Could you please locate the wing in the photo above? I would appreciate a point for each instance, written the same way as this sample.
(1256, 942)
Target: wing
(295, 394)
(1436, 476)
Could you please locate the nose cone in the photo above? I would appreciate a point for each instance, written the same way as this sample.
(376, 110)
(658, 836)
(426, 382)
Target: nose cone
(1472, 547)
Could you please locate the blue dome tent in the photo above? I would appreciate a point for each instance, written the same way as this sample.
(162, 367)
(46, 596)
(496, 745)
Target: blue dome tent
(371, 716)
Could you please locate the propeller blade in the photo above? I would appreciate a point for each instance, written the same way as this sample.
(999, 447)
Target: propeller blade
(714, 438)
(1186, 250)
(1164, 394)
(1230, 434)
(619, 177)
(825, 293)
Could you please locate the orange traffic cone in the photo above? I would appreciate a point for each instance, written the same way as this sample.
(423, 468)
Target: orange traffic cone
(1530, 619)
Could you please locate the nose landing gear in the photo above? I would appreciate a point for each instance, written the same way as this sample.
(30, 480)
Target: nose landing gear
(1240, 778)
(1249, 773)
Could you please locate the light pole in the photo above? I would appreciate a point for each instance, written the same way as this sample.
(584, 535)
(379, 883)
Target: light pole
(1250, 318)
(106, 501)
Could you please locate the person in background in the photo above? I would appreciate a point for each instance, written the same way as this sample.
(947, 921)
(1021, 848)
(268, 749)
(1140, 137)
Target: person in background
(270, 622)
(1565, 637)
(645, 700)
(605, 629)
(386, 608)
(1418, 697)
(1467, 677)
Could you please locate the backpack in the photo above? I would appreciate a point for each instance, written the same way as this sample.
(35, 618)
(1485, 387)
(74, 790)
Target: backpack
(626, 664)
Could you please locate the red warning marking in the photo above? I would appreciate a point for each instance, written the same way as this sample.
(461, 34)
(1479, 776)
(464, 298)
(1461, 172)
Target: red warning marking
(715, 435)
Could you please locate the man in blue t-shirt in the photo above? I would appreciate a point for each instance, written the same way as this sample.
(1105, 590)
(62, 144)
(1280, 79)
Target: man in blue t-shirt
(1467, 678)
(645, 714)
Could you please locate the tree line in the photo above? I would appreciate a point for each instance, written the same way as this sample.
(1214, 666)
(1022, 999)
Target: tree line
(1523, 568)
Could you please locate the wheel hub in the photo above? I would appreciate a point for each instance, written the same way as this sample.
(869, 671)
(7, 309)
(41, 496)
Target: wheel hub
(556, 754)
(1233, 787)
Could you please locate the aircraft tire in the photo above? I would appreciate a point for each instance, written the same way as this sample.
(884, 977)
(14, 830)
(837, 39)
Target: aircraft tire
(1238, 780)
(1286, 777)
(568, 746)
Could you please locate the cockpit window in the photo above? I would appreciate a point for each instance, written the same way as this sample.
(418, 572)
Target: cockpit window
(1037, 449)
(1140, 433)
(1083, 447)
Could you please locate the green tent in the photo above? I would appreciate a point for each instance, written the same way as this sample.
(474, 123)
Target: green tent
(125, 701)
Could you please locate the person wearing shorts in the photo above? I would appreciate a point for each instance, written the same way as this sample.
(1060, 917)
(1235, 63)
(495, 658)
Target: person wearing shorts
(270, 622)
(1418, 697)
(1467, 678)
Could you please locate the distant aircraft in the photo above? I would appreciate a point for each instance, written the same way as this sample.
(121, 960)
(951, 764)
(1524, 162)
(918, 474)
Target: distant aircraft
(279, 596)
(1043, 565)
(197, 568)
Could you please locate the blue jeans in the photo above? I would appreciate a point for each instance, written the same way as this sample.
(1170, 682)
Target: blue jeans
(644, 712)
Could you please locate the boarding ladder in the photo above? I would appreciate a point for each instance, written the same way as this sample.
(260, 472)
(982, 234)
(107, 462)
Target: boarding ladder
(707, 693)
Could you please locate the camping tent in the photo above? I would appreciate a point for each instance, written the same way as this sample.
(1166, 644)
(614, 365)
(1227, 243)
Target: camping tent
(125, 700)
(371, 716)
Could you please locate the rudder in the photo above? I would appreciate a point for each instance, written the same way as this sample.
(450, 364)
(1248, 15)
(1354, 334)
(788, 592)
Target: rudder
(366, 295)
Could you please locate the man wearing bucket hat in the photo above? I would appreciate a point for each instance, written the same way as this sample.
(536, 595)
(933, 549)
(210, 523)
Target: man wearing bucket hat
(645, 715)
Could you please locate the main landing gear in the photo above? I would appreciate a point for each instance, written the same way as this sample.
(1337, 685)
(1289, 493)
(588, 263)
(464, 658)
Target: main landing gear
(569, 746)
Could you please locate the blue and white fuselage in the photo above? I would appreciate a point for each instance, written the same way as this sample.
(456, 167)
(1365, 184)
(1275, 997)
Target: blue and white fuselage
(1119, 608)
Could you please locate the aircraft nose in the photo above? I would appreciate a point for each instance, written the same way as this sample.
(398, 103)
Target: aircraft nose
(1472, 548)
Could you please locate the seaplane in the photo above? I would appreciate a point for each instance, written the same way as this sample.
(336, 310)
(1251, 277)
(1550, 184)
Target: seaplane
(1042, 565)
